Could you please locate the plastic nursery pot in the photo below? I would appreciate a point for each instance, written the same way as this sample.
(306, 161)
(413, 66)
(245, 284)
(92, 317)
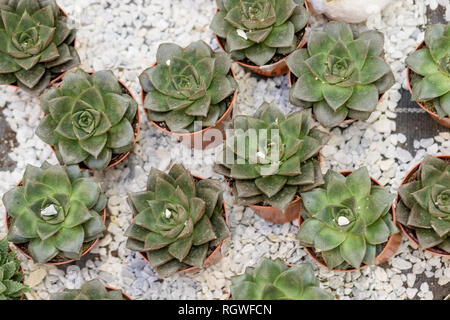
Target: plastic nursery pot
(274, 69)
(210, 260)
(388, 251)
(408, 232)
(442, 121)
(203, 139)
(125, 296)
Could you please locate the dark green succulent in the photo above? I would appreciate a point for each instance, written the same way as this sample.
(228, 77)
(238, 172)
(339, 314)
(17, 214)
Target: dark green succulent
(187, 86)
(178, 221)
(260, 29)
(11, 277)
(424, 204)
(340, 75)
(90, 290)
(272, 158)
(88, 119)
(55, 211)
(347, 220)
(273, 280)
(431, 66)
(36, 44)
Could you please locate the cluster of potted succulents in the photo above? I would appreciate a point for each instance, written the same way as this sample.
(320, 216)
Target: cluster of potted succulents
(271, 161)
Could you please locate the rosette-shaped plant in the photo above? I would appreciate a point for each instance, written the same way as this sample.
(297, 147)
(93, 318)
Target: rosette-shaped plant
(11, 287)
(88, 119)
(348, 219)
(90, 290)
(54, 212)
(273, 280)
(424, 204)
(431, 66)
(35, 43)
(178, 221)
(271, 158)
(188, 85)
(260, 29)
(340, 75)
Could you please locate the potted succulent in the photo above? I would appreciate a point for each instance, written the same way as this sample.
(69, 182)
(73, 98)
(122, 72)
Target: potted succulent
(340, 75)
(349, 223)
(91, 290)
(179, 223)
(189, 91)
(423, 205)
(428, 73)
(274, 280)
(11, 274)
(56, 214)
(270, 159)
(36, 44)
(90, 119)
(260, 34)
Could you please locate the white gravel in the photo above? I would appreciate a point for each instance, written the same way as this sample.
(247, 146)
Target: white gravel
(123, 36)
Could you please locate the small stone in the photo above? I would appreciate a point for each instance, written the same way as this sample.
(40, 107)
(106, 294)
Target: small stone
(411, 292)
(35, 277)
(401, 264)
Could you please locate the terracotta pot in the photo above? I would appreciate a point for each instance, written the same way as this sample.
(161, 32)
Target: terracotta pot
(389, 250)
(410, 233)
(276, 69)
(125, 296)
(212, 259)
(444, 121)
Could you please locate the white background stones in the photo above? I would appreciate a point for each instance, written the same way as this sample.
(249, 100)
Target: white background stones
(123, 36)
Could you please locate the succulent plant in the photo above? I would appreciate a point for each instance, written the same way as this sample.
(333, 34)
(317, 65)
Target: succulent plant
(178, 221)
(431, 66)
(11, 286)
(273, 280)
(271, 158)
(90, 290)
(340, 74)
(259, 29)
(348, 219)
(88, 119)
(55, 211)
(187, 86)
(424, 204)
(35, 43)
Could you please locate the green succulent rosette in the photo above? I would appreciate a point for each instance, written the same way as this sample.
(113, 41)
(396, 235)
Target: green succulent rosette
(90, 290)
(257, 30)
(36, 44)
(431, 67)
(55, 212)
(424, 205)
(187, 86)
(348, 220)
(271, 158)
(340, 75)
(273, 280)
(11, 276)
(88, 119)
(178, 221)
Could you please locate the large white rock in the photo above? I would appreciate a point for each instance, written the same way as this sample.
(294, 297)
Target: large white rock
(351, 11)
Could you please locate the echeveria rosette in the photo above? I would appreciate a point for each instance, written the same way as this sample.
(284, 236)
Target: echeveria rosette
(274, 280)
(431, 66)
(188, 85)
(259, 29)
(275, 170)
(347, 220)
(90, 290)
(178, 220)
(11, 276)
(340, 75)
(35, 43)
(55, 211)
(424, 204)
(88, 119)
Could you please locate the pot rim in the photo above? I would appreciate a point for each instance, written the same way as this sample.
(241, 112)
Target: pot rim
(407, 231)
